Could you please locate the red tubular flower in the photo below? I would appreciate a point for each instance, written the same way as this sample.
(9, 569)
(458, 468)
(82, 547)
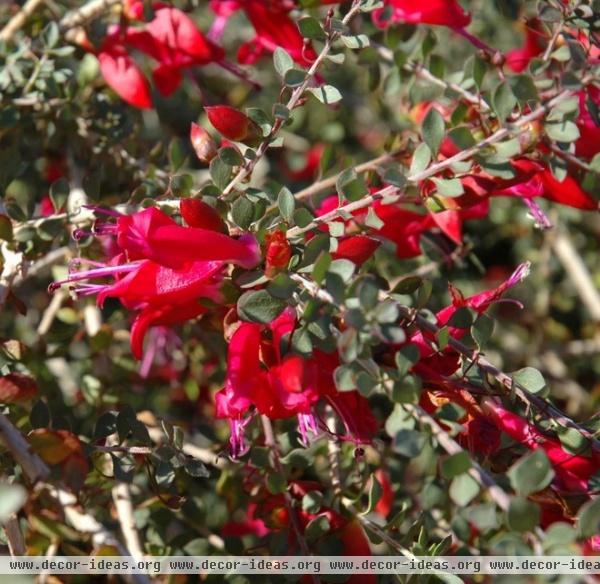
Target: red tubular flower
(171, 38)
(233, 124)
(161, 269)
(573, 472)
(274, 511)
(356, 248)
(433, 365)
(280, 385)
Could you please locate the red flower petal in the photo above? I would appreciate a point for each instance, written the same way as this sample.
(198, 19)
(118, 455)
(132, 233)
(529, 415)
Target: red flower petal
(124, 76)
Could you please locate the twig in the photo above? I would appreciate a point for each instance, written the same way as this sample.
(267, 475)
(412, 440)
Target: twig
(552, 42)
(475, 357)
(19, 19)
(33, 466)
(85, 13)
(420, 71)
(14, 537)
(247, 169)
(51, 311)
(580, 276)
(328, 183)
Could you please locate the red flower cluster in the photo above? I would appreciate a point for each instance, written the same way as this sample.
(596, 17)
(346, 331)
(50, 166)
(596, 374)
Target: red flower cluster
(163, 270)
(263, 374)
(171, 38)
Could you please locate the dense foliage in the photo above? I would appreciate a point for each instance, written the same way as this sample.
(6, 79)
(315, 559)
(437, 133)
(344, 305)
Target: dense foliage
(301, 276)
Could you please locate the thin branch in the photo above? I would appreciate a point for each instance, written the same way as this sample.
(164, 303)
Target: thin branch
(247, 169)
(19, 19)
(85, 13)
(516, 127)
(578, 272)
(14, 537)
(420, 71)
(329, 183)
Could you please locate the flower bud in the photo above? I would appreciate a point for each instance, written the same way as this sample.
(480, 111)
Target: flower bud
(233, 124)
(204, 146)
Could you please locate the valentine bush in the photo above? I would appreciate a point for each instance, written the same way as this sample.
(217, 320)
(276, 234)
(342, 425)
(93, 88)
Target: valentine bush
(303, 277)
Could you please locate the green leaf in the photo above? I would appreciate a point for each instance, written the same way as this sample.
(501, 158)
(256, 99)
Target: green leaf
(219, 172)
(327, 94)
(259, 306)
(530, 379)
(523, 89)
(6, 230)
(12, 498)
(461, 318)
(462, 137)
(420, 161)
(357, 41)
(316, 528)
(449, 187)
(286, 204)
(350, 186)
(282, 61)
(373, 220)
(531, 473)
(482, 329)
(589, 518)
(409, 443)
(463, 489)
(433, 130)
(242, 212)
(456, 464)
(294, 77)
(59, 193)
(394, 176)
(523, 515)
(231, 156)
(564, 131)
(503, 101)
(375, 492)
(310, 28)
(276, 483)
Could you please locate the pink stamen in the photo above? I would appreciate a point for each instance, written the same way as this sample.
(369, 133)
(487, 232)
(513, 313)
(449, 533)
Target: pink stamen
(239, 446)
(96, 273)
(540, 218)
(307, 425)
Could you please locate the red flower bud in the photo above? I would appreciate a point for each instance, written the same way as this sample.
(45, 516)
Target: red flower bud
(279, 252)
(233, 124)
(204, 146)
(197, 213)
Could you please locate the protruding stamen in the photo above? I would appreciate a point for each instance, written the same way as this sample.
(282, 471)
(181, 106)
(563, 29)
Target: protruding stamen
(540, 218)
